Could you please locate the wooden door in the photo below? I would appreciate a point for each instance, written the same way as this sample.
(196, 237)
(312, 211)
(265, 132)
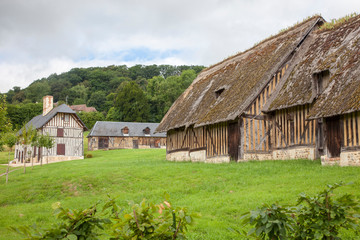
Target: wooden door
(333, 136)
(135, 143)
(103, 143)
(234, 140)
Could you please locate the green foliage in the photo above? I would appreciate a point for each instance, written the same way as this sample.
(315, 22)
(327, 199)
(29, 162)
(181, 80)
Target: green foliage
(144, 221)
(19, 114)
(271, 222)
(75, 224)
(151, 221)
(337, 22)
(321, 217)
(92, 85)
(90, 118)
(5, 124)
(130, 104)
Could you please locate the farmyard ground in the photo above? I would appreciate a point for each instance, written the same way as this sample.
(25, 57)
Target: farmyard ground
(220, 192)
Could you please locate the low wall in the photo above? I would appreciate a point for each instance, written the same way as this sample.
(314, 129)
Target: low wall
(283, 154)
(198, 156)
(295, 153)
(218, 159)
(178, 156)
(350, 158)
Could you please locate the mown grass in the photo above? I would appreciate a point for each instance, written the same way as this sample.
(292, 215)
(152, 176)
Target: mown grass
(220, 192)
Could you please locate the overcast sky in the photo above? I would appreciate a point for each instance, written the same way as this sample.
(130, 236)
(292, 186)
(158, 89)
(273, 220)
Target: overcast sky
(41, 37)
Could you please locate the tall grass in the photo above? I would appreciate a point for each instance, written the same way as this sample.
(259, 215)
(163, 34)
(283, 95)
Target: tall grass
(220, 192)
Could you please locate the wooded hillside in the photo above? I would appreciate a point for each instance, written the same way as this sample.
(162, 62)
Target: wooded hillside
(120, 93)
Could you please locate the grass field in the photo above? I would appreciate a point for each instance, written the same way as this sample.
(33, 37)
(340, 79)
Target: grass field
(220, 192)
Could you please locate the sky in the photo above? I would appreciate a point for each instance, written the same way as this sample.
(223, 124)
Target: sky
(42, 37)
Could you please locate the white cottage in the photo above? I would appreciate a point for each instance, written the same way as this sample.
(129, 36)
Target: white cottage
(61, 123)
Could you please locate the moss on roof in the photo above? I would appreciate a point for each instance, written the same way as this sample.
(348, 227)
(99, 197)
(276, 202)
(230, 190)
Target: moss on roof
(242, 76)
(337, 50)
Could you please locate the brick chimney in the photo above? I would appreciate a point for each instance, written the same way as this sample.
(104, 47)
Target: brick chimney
(47, 104)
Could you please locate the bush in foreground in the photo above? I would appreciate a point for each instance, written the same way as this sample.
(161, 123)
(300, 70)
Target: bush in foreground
(143, 221)
(318, 217)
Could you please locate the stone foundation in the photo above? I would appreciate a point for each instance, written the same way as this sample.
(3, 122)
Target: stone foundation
(351, 158)
(198, 156)
(283, 154)
(218, 159)
(326, 161)
(257, 156)
(295, 153)
(178, 156)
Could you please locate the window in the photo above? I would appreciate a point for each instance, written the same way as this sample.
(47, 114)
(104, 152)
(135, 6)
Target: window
(67, 118)
(219, 92)
(320, 81)
(60, 132)
(125, 131)
(146, 131)
(60, 149)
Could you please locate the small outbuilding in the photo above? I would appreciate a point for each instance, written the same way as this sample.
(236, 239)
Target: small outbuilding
(118, 135)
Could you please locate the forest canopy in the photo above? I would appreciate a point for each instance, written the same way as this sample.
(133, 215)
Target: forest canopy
(139, 93)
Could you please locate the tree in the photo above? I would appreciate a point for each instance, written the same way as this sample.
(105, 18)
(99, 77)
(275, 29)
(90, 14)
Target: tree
(90, 118)
(9, 139)
(26, 135)
(97, 100)
(131, 104)
(45, 141)
(5, 124)
(37, 90)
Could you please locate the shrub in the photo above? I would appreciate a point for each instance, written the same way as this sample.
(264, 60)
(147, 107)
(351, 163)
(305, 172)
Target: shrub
(143, 221)
(319, 217)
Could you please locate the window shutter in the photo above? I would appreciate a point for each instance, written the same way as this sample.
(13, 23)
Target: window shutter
(60, 132)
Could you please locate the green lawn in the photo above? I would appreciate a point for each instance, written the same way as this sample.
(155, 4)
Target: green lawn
(220, 192)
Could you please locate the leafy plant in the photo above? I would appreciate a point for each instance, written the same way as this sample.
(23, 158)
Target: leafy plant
(318, 217)
(322, 216)
(75, 224)
(151, 221)
(144, 221)
(271, 221)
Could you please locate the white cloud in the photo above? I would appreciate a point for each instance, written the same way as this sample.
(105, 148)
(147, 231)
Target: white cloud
(38, 38)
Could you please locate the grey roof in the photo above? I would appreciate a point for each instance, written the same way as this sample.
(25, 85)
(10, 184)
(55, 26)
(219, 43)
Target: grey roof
(40, 120)
(113, 129)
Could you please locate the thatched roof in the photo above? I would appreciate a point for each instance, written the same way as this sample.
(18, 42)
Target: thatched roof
(336, 50)
(238, 80)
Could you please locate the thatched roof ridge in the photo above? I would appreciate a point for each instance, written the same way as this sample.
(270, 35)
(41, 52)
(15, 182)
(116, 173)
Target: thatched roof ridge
(336, 50)
(223, 91)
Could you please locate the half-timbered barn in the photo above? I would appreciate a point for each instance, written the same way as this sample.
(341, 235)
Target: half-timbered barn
(317, 106)
(118, 135)
(64, 126)
(269, 101)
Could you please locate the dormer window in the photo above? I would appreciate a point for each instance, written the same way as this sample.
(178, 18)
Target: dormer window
(125, 131)
(320, 81)
(146, 131)
(219, 92)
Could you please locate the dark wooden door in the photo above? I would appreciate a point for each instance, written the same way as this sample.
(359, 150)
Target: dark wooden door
(333, 136)
(103, 142)
(234, 140)
(136, 143)
(60, 149)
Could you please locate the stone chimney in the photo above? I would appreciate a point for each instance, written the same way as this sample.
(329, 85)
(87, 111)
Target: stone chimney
(47, 104)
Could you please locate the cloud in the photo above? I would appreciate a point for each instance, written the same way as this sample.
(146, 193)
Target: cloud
(38, 38)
